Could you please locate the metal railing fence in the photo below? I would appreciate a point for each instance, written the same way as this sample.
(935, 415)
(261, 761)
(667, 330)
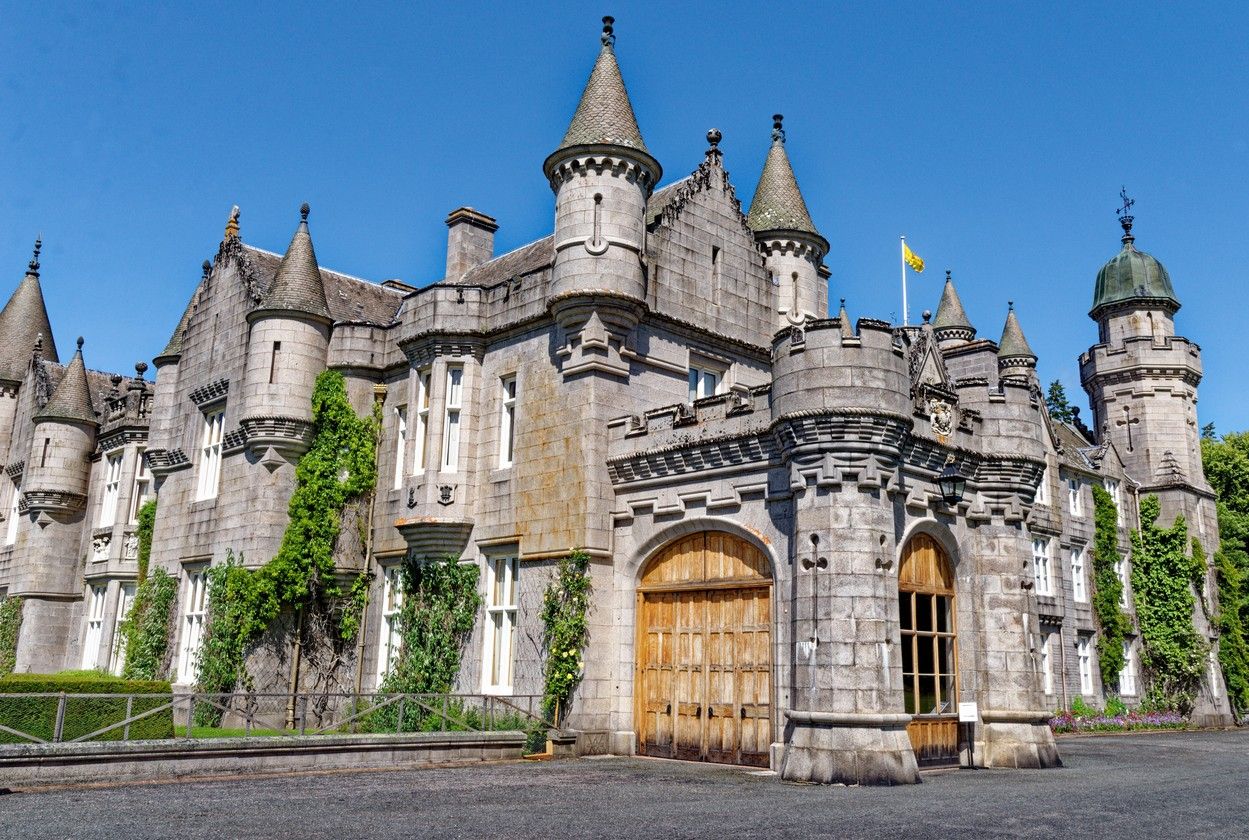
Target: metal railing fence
(43, 718)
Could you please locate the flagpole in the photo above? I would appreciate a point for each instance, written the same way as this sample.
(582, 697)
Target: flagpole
(905, 321)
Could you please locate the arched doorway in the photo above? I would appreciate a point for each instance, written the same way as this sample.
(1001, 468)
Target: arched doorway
(704, 652)
(929, 650)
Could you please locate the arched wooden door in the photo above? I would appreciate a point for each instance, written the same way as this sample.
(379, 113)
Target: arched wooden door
(929, 651)
(704, 652)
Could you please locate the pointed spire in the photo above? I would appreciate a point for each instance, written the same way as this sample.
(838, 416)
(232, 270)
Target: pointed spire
(1013, 344)
(297, 287)
(604, 116)
(173, 350)
(847, 330)
(23, 319)
(71, 400)
(951, 321)
(778, 203)
(232, 224)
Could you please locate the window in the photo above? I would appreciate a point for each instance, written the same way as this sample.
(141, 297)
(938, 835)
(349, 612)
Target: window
(273, 361)
(1121, 572)
(1112, 487)
(507, 422)
(1127, 676)
(142, 485)
(1075, 500)
(210, 455)
(125, 600)
(451, 428)
(1085, 656)
(401, 443)
(1079, 586)
(1043, 489)
(500, 623)
(15, 499)
(95, 625)
(1047, 664)
(112, 487)
(389, 640)
(422, 419)
(704, 382)
(196, 601)
(1041, 566)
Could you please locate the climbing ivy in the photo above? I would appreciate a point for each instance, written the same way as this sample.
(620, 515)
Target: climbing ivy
(145, 631)
(565, 632)
(147, 522)
(338, 468)
(1107, 587)
(436, 617)
(10, 626)
(1226, 464)
(1162, 572)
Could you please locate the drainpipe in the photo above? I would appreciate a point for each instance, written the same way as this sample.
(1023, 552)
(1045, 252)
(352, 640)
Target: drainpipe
(379, 396)
(1062, 663)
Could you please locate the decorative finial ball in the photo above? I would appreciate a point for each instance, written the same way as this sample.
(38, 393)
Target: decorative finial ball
(927, 315)
(303, 211)
(714, 137)
(608, 38)
(1010, 305)
(608, 20)
(38, 244)
(140, 368)
(843, 302)
(777, 119)
(115, 379)
(79, 342)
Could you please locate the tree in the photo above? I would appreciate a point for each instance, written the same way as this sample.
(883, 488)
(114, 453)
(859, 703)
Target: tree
(1226, 463)
(1056, 400)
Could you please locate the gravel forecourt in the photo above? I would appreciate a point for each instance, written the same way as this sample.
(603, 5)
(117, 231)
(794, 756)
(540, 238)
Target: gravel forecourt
(1172, 784)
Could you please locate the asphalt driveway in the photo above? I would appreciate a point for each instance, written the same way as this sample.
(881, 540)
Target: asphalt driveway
(1155, 785)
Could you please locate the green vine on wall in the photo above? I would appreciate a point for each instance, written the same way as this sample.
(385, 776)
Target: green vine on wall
(147, 523)
(1173, 653)
(10, 626)
(1233, 647)
(338, 468)
(565, 632)
(436, 619)
(1107, 587)
(145, 631)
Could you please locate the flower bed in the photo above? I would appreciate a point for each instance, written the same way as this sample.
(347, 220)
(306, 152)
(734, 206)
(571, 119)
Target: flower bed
(1071, 722)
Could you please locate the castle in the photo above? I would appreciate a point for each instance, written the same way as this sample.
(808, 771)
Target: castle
(811, 536)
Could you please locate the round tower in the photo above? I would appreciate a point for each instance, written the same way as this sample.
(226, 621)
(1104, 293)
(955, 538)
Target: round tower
(167, 363)
(57, 468)
(793, 249)
(286, 351)
(602, 176)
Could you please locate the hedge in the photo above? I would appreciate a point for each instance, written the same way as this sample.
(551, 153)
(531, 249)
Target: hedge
(83, 715)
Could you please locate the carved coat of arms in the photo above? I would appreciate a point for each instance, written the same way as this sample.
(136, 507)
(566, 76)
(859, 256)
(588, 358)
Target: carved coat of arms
(941, 414)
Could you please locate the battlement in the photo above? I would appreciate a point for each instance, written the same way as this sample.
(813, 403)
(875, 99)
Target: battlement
(1164, 357)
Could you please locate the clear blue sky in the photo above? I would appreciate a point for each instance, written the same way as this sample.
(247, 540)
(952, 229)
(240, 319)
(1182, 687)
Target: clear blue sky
(995, 136)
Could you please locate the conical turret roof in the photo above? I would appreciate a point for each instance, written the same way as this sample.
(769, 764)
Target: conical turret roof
(604, 116)
(950, 312)
(173, 349)
(778, 203)
(297, 287)
(72, 398)
(23, 319)
(1013, 343)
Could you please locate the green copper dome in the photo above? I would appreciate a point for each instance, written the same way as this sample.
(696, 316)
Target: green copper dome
(1132, 275)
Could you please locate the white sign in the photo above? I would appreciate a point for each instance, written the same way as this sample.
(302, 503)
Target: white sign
(968, 713)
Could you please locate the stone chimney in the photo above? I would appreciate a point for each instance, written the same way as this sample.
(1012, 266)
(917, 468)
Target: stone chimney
(470, 241)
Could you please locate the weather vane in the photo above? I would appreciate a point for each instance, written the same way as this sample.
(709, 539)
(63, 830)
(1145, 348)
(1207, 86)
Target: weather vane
(1126, 209)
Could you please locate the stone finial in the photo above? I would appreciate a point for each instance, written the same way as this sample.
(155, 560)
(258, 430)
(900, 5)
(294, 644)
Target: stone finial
(207, 268)
(778, 133)
(140, 368)
(303, 212)
(926, 315)
(232, 224)
(115, 380)
(80, 343)
(713, 140)
(32, 267)
(609, 34)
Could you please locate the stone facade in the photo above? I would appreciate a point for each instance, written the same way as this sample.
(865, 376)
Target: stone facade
(663, 365)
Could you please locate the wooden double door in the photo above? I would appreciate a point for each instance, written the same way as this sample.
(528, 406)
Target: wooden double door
(704, 681)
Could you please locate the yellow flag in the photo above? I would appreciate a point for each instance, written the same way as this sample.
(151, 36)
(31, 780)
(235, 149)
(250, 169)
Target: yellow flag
(914, 260)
